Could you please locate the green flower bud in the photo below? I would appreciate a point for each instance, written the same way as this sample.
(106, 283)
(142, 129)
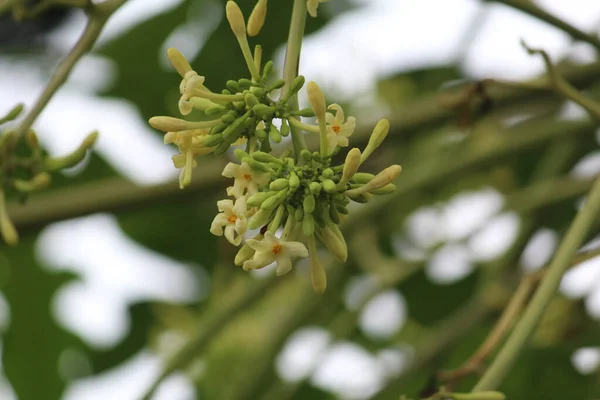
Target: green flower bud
(215, 110)
(229, 117)
(261, 156)
(362, 177)
(329, 186)
(379, 133)
(278, 84)
(227, 92)
(315, 188)
(213, 140)
(294, 180)
(487, 395)
(387, 189)
(264, 111)
(202, 104)
(309, 204)
(334, 244)
(277, 219)
(233, 86)
(334, 215)
(261, 134)
(251, 100)
(274, 134)
(316, 100)
(255, 165)
(295, 86)
(13, 113)
(359, 198)
(240, 154)
(7, 229)
(32, 139)
(257, 91)
(267, 69)
(308, 225)
(285, 128)
(259, 219)
(279, 184)
(317, 156)
(245, 83)
(70, 160)
(178, 61)
(39, 181)
(306, 155)
(342, 209)
(265, 145)
(299, 214)
(327, 173)
(274, 201)
(257, 198)
(224, 146)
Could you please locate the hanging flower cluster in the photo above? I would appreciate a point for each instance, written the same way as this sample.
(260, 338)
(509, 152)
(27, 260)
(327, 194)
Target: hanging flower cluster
(297, 199)
(24, 168)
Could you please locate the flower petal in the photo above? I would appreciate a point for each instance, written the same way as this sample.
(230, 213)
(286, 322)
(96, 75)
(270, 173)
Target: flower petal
(260, 245)
(231, 170)
(348, 128)
(330, 119)
(295, 249)
(260, 260)
(342, 141)
(284, 265)
(216, 228)
(339, 113)
(225, 206)
(230, 235)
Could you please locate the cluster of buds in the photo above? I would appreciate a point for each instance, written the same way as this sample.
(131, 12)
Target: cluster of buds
(24, 168)
(295, 200)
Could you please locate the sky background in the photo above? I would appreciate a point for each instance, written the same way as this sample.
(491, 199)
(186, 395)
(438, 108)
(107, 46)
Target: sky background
(347, 57)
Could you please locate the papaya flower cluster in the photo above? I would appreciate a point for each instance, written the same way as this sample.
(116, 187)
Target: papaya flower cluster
(24, 168)
(296, 200)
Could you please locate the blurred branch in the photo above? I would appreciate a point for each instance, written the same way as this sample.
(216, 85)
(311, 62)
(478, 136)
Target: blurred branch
(529, 7)
(475, 363)
(98, 15)
(532, 315)
(563, 87)
(116, 194)
(211, 325)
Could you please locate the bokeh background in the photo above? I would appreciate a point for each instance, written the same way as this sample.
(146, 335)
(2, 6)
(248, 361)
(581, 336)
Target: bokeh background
(116, 269)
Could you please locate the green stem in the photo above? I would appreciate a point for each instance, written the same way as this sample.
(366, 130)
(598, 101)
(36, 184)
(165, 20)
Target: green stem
(301, 125)
(514, 345)
(290, 68)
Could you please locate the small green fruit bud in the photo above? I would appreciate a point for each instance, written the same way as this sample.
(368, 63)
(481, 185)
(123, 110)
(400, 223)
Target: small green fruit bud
(261, 134)
(315, 188)
(278, 84)
(257, 18)
(309, 204)
(306, 155)
(267, 69)
(274, 134)
(257, 198)
(213, 140)
(250, 100)
(233, 86)
(308, 225)
(263, 157)
(285, 128)
(279, 184)
(329, 186)
(294, 180)
(236, 19)
(295, 86)
(259, 219)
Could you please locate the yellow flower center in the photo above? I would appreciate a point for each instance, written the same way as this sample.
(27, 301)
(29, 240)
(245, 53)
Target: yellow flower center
(232, 219)
(247, 177)
(336, 128)
(276, 249)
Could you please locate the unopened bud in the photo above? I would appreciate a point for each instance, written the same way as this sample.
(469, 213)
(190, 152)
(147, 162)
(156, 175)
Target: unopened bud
(279, 184)
(12, 114)
(245, 253)
(379, 133)
(309, 204)
(315, 188)
(38, 182)
(70, 160)
(294, 180)
(350, 167)
(329, 186)
(178, 61)
(316, 99)
(334, 244)
(379, 181)
(257, 18)
(317, 271)
(202, 104)
(235, 18)
(308, 225)
(32, 139)
(7, 229)
(275, 135)
(487, 395)
(259, 219)
(387, 189)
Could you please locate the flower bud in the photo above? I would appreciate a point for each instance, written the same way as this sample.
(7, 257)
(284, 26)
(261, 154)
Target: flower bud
(38, 182)
(315, 188)
(263, 157)
(380, 180)
(240, 154)
(70, 160)
(278, 84)
(235, 18)
(308, 225)
(245, 253)
(257, 18)
(32, 139)
(329, 186)
(306, 155)
(379, 133)
(279, 184)
(274, 134)
(362, 177)
(285, 128)
(299, 214)
(233, 86)
(178, 61)
(259, 219)
(387, 189)
(317, 100)
(13, 113)
(487, 395)
(200, 103)
(309, 204)
(334, 244)
(294, 180)
(274, 201)
(257, 198)
(7, 229)
(305, 112)
(267, 69)
(317, 271)
(213, 140)
(350, 167)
